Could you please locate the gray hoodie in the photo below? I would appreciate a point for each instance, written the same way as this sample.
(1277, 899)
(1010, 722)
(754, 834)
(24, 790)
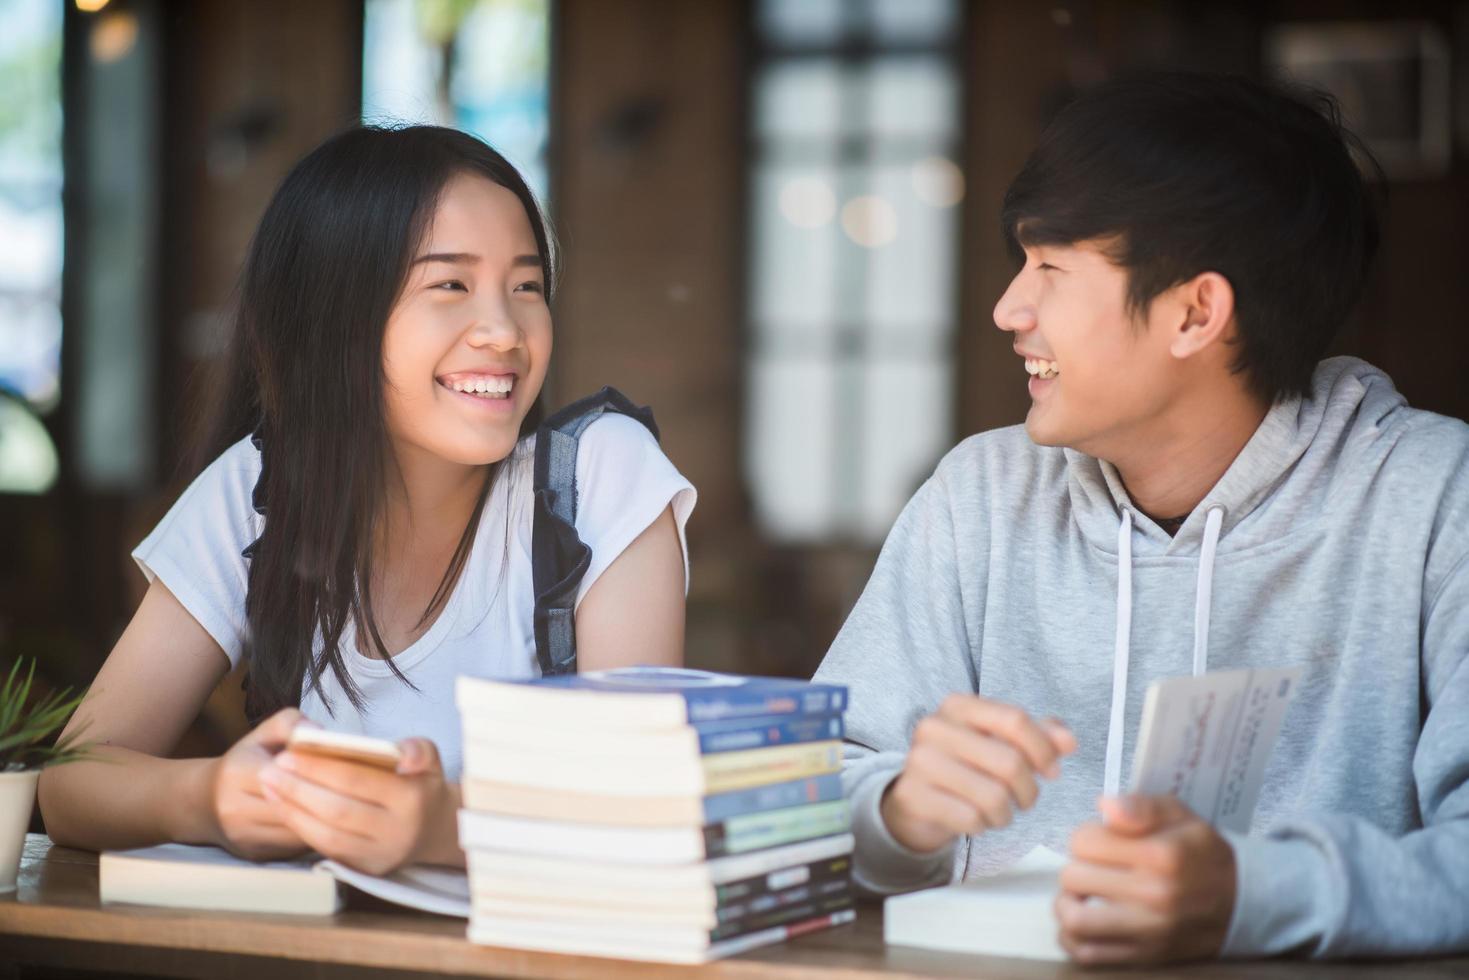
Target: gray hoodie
(1338, 541)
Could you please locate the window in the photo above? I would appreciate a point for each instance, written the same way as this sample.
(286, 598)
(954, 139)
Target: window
(482, 66)
(852, 293)
(30, 240)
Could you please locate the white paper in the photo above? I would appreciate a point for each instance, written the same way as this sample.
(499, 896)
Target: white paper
(1207, 740)
(441, 890)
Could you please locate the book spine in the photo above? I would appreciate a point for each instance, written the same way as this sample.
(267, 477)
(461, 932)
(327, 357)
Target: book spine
(802, 912)
(776, 934)
(775, 796)
(824, 889)
(776, 764)
(773, 828)
(752, 701)
(757, 733)
(776, 881)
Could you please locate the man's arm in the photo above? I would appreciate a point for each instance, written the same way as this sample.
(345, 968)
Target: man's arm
(927, 761)
(1337, 885)
(1329, 885)
(901, 651)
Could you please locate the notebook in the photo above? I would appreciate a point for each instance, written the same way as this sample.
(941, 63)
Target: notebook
(194, 877)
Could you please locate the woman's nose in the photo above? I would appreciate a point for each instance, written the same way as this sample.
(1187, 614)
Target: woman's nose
(495, 329)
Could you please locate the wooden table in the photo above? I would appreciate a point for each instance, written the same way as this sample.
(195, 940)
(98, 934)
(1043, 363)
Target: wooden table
(55, 920)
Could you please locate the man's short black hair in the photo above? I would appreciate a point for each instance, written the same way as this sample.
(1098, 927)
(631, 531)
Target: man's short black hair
(1183, 173)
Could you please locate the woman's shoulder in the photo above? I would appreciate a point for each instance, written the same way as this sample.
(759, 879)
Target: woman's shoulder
(613, 439)
(611, 448)
(240, 460)
(228, 480)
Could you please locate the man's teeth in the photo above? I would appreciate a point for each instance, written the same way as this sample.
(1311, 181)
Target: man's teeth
(498, 387)
(1041, 369)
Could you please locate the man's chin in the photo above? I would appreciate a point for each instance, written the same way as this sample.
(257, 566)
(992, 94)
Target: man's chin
(1041, 433)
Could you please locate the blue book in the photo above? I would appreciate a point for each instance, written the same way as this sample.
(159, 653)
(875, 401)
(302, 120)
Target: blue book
(774, 796)
(646, 698)
(757, 733)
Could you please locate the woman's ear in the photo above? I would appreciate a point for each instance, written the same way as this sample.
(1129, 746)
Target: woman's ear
(1206, 303)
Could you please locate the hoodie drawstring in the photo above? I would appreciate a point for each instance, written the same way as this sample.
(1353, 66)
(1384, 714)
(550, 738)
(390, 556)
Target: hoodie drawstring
(1122, 649)
(1205, 592)
(1122, 652)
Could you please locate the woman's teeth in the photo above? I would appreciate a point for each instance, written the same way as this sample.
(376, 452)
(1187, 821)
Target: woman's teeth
(498, 387)
(1041, 369)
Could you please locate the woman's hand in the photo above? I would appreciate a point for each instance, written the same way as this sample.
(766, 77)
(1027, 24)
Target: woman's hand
(367, 818)
(246, 822)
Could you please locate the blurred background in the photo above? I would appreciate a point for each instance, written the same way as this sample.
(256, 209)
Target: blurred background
(778, 227)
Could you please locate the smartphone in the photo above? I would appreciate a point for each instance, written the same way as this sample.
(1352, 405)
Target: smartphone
(338, 745)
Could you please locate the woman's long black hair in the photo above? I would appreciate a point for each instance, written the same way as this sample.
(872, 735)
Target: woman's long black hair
(305, 378)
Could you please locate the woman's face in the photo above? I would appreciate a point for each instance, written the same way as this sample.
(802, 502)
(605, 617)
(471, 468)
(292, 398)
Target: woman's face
(466, 347)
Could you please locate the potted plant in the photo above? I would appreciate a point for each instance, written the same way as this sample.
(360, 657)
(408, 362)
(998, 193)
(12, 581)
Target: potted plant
(24, 729)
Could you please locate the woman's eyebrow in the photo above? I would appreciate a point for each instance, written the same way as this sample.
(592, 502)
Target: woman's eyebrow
(454, 258)
(469, 258)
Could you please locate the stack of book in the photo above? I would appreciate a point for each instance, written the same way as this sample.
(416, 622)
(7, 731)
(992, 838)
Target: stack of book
(653, 813)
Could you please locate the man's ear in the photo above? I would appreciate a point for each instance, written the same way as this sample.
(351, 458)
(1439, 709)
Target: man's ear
(1204, 314)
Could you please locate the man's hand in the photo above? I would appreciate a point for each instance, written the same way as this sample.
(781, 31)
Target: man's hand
(1152, 884)
(972, 763)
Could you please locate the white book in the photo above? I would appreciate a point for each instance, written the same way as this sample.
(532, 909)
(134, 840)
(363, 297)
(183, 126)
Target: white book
(665, 946)
(489, 867)
(651, 845)
(194, 877)
(640, 895)
(697, 775)
(1007, 914)
(1205, 740)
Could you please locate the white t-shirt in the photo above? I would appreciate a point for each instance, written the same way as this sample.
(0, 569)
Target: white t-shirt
(485, 629)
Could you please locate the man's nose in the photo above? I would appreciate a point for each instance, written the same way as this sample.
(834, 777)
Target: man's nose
(1015, 310)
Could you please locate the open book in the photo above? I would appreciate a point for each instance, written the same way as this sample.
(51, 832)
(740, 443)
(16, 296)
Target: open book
(187, 876)
(1205, 740)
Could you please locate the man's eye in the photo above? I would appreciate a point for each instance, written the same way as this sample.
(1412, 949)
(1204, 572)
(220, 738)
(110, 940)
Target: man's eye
(1045, 265)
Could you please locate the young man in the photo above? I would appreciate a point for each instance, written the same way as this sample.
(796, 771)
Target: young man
(1191, 490)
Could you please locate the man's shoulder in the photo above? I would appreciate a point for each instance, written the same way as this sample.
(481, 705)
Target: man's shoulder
(1426, 453)
(1426, 431)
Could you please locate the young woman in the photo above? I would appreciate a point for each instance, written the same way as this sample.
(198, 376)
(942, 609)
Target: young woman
(366, 535)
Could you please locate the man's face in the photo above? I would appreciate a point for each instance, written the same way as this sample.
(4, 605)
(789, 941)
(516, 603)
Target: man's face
(1100, 376)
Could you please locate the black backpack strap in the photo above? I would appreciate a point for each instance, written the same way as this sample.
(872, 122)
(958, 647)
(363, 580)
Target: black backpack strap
(559, 557)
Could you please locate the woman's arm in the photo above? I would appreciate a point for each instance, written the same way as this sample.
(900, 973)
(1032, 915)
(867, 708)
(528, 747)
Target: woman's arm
(150, 689)
(634, 612)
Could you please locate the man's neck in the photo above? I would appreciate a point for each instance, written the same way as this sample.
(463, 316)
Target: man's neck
(1171, 470)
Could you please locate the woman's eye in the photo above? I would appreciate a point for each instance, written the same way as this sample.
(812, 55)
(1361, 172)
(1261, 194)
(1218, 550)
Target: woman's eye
(452, 285)
(1045, 266)
(532, 287)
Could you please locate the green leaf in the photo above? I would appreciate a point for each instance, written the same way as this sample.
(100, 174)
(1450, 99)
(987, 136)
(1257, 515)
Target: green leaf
(24, 729)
